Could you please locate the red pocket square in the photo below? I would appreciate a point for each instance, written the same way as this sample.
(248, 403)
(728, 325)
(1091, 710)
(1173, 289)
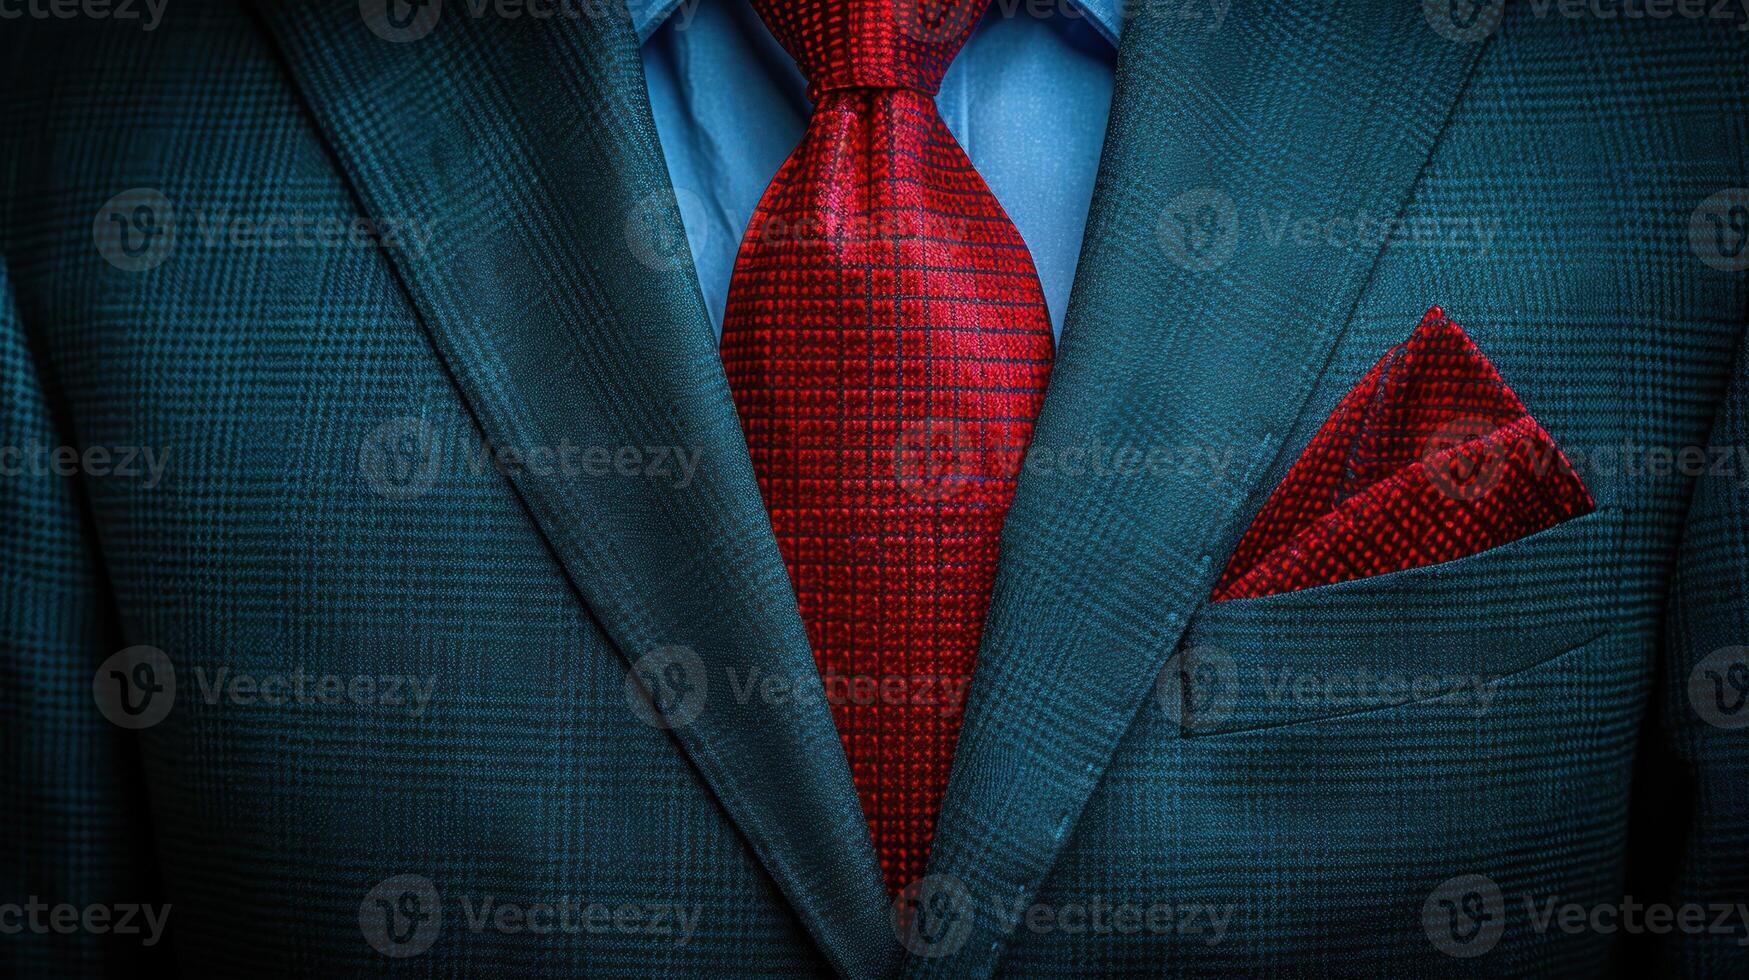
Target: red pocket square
(1430, 458)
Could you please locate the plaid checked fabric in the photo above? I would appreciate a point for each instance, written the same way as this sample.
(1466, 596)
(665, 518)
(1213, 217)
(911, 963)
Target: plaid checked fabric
(888, 345)
(1307, 837)
(1430, 458)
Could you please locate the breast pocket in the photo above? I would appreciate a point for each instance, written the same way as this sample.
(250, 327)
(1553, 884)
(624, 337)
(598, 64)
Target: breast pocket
(1439, 631)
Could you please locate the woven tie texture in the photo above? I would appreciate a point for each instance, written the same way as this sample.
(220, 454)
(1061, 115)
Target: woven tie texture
(888, 347)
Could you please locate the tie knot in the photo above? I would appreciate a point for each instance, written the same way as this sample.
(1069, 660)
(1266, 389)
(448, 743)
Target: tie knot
(871, 43)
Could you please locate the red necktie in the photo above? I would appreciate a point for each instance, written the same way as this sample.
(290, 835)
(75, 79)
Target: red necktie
(888, 347)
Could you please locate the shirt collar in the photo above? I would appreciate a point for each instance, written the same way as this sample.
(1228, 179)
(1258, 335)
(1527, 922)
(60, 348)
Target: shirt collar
(1106, 16)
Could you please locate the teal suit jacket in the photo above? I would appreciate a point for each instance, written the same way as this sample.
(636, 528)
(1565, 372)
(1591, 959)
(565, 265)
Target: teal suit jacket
(510, 270)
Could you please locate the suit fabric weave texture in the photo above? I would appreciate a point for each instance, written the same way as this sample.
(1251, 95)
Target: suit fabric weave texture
(888, 345)
(1312, 830)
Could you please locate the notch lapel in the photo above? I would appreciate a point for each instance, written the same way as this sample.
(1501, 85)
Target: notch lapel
(552, 291)
(1191, 354)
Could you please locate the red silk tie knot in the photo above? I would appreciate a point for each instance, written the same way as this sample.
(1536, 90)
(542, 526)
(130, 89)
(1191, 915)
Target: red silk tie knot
(841, 44)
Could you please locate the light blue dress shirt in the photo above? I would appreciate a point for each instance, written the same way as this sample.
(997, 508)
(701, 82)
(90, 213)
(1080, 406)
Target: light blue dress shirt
(1027, 98)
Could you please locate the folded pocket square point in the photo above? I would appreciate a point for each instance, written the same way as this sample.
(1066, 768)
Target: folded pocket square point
(1430, 458)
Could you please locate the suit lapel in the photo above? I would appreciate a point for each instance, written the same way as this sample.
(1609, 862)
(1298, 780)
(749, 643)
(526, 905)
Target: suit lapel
(557, 289)
(1194, 338)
